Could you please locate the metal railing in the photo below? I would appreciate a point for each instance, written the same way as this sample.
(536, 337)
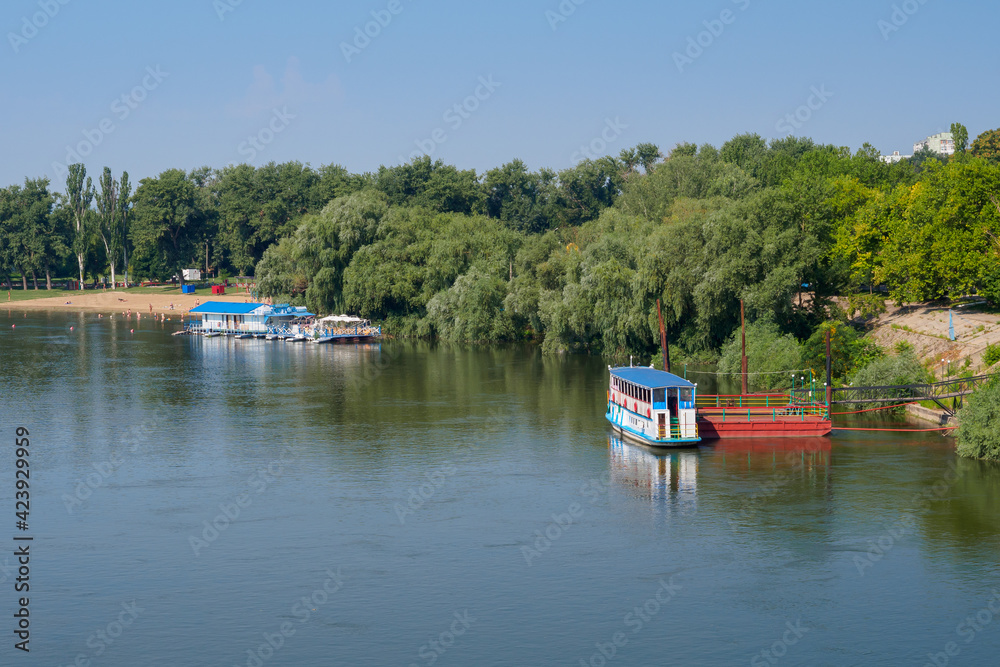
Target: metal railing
(759, 407)
(910, 392)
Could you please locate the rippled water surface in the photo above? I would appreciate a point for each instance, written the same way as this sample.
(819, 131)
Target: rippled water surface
(415, 504)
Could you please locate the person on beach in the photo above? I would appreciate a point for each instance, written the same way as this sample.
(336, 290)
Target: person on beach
(151, 309)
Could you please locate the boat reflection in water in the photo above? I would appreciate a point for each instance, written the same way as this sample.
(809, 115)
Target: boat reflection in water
(655, 473)
(762, 456)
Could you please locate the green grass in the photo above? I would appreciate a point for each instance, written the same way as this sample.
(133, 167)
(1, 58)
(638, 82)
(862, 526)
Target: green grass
(42, 293)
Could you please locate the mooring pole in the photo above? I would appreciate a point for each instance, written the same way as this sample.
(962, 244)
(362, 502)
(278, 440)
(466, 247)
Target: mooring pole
(664, 347)
(743, 354)
(829, 378)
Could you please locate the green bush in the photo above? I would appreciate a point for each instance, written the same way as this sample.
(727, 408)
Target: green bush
(771, 356)
(979, 435)
(991, 355)
(902, 368)
(849, 350)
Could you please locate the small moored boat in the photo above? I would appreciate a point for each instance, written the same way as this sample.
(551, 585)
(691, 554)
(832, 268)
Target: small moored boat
(652, 407)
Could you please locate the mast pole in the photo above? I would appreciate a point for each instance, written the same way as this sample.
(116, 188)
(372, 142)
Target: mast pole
(829, 367)
(663, 339)
(743, 354)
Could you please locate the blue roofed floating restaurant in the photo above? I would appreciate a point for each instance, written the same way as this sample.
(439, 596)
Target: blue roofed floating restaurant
(221, 317)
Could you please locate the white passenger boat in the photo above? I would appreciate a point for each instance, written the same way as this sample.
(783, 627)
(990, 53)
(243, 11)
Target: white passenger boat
(652, 407)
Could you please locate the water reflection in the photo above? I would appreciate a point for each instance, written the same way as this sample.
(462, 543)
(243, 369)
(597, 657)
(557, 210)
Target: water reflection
(654, 474)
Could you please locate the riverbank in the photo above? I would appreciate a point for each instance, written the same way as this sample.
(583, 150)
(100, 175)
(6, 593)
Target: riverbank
(115, 301)
(926, 327)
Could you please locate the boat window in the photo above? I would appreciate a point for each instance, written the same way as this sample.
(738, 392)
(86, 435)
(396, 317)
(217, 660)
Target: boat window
(685, 394)
(659, 396)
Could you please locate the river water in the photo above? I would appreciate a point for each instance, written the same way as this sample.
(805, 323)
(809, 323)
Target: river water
(226, 502)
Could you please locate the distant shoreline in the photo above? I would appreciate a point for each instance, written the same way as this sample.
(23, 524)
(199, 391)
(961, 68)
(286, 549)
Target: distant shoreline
(108, 301)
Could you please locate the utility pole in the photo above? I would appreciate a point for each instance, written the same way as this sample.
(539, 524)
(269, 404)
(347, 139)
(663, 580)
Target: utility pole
(743, 354)
(829, 375)
(663, 339)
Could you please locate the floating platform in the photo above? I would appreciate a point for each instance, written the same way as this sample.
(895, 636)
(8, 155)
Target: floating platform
(761, 416)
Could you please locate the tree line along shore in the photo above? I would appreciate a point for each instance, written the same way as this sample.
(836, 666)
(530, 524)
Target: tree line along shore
(574, 259)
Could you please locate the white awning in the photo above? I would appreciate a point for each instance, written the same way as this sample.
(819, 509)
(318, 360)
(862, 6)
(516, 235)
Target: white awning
(342, 320)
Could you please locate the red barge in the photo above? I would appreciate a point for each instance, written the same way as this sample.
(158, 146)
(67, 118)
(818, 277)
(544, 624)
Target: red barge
(761, 416)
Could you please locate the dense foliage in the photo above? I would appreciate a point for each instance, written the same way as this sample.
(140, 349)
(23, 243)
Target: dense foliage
(771, 355)
(575, 259)
(979, 419)
(901, 368)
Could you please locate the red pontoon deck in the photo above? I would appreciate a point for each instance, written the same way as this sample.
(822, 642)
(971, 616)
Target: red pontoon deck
(760, 416)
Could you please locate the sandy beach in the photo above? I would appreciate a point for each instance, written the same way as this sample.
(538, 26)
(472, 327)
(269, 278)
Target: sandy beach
(119, 301)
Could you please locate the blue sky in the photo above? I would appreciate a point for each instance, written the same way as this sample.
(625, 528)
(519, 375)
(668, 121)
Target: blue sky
(144, 87)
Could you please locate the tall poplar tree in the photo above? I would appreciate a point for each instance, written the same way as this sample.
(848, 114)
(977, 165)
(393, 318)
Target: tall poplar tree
(113, 208)
(80, 191)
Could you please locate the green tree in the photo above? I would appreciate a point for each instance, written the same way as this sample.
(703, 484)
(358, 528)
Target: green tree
(901, 368)
(167, 223)
(979, 420)
(113, 209)
(961, 137)
(26, 210)
(517, 197)
(771, 356)
(80, 194)
(987, 146)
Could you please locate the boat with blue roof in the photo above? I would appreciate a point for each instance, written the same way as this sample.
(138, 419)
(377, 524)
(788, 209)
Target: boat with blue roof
(652, 407)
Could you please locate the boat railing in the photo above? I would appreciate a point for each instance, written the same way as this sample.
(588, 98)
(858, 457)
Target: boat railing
(766, 413)
(752, 400)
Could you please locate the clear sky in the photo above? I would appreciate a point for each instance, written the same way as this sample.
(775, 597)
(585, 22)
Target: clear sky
(147, 86)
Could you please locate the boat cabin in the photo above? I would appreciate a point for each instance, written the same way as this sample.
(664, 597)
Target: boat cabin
(254, 318)
(652, 406)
